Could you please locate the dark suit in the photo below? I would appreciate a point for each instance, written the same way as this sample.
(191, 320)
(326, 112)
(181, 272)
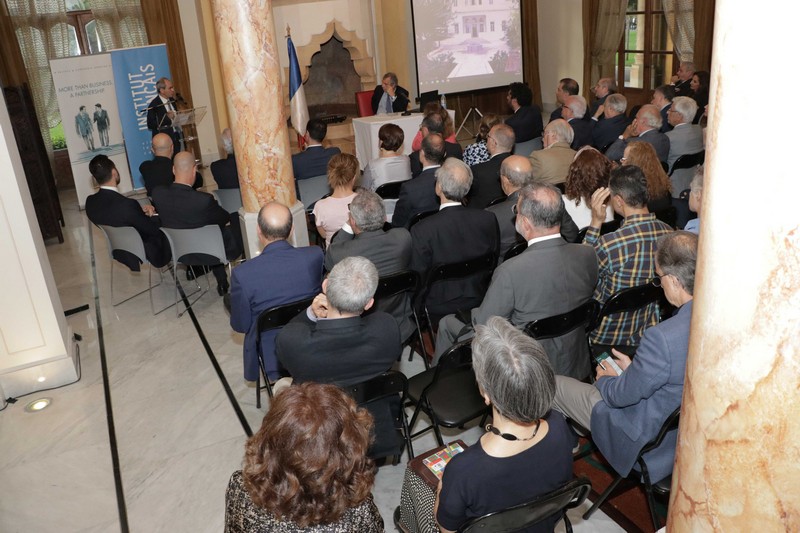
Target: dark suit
(583, 132)
(390, 252)
(450, 150)
(159, 122)
(417, 195)
(659, 141)
(225, 172)
(684, 88)
(313, 161)
(526, 123)
(606, 131)
(665, 125)
(281, 274)
(596, 104)
(158, 171)
(556, 114)
(486, 182)
(110, 208)
(398, 106)
(453, 234)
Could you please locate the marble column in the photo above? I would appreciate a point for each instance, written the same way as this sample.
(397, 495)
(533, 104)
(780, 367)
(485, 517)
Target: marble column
(738, 456)
(252, 79)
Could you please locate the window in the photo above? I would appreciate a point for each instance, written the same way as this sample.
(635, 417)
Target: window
(505, 25)
(482, 27)
(491, 26)
(455, 29)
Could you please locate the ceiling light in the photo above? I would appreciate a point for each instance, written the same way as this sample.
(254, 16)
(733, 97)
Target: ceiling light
(37, 405)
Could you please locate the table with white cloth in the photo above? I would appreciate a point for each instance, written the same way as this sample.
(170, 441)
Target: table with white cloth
(366, 133)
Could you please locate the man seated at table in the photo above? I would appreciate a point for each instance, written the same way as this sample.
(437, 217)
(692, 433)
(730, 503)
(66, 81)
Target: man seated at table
(388, 96)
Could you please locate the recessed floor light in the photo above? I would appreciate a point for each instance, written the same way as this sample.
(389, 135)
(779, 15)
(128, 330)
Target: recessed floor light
(37, 405)
(41, 379)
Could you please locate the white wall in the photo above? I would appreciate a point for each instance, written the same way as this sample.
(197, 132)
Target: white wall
(560, 46)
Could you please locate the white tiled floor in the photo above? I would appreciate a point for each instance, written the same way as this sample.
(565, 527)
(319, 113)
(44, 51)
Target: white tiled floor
(178, 436)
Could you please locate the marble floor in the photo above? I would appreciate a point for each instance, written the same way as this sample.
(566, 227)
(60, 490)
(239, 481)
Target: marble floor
(176, 435)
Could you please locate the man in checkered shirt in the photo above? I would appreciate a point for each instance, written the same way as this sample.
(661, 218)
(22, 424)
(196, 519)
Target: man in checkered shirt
(626, 257)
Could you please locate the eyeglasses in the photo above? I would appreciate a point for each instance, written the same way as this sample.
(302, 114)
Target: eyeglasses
(657, 280)
(514, 209)
(623, 159)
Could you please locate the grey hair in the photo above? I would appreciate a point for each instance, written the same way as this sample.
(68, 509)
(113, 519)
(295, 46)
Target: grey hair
(697, 179)
(651, 115)
(609, 83)
(513, 370)
(504, 136)
(685, 107)
(392, 78)
(517, 178)
(577, 104)
(561, 129)
(161, 84)
(617, 102)
(688, 65)
(454, 178)
(542, 204)
(227, 140)
(676, 254)
(368, 211)
(351, 284)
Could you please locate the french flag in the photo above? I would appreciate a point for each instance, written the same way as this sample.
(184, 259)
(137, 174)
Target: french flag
(297, 96)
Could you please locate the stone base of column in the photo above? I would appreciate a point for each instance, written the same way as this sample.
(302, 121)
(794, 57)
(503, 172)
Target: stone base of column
(249, 225)
(57, 370)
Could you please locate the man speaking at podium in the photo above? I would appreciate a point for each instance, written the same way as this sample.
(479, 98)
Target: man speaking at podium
(162, 110)
(388, 96)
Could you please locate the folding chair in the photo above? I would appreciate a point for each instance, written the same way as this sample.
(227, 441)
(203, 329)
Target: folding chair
(528, 147)
(515, 250)
(312, 189)
(229, 199)
(404, 283)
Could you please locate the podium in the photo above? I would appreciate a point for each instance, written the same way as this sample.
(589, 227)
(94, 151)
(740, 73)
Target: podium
(188, 118)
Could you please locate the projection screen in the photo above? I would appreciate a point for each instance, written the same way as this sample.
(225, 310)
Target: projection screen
(464, 45)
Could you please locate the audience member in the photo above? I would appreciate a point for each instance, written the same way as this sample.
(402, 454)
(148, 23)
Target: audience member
(526, 121)
(107, 207)
(391, 164)
(279, 275)
(602, 89)
(455, 233)
(477, 152)
(158, 171)
(418, 195)
(224, 171)
(573, 111)
(390, 251)
(331, 213)
(662, 99)
(644, 128)
(313, 161)
(389, 97)
(685, 138)
(626, 411)
(433, 123)
(644, 156)
(181, 207)
(700, 85)
(566, 275)
(682, 80)
(696, 200)
(449, 132)
(551, 164)
(624, 257)
(588, 172)
(486, 176)
(306, 469)
(606, 131)
(566, 87)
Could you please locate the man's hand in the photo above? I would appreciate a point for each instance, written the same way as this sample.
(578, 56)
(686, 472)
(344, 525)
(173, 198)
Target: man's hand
(171, 114)
(622, 360)
(391, 90)
(599, 206)
(600, 110)
(319, 307)
(674, 79)
(608, 371)
(630, 131)
(149, 210)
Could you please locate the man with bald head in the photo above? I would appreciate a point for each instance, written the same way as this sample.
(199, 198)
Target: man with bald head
(644, 128)
(550, 277)
(158, 171)
(281, 274)
(182, 207)
(486, 176)
(601, 90)
(552, 164)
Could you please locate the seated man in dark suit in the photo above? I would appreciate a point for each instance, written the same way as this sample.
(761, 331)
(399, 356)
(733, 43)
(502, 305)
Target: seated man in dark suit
(181, 207)
(644, 128)
(662, 99)
(158, 171)
(390, 251)
(606, 131)
(433, 123)
(388, 96)
(574, 111)
(418, 194)
(527, 118)
(624, 412)
(455, 233)
(602, 89)
(564, 279)
(224, 171)
(486, 176)
(566, 87)
(107, 207)
(279, 275)
(313, 161)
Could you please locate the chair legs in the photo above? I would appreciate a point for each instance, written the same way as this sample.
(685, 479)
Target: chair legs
(262, 371)
(603, 497)
(179, 291)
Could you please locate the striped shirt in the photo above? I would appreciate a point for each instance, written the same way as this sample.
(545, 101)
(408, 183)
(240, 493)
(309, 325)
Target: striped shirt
(626, 258)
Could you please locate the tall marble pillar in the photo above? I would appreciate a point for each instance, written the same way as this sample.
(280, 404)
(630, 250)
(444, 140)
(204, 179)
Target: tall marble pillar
(252, 79)
(738, 457)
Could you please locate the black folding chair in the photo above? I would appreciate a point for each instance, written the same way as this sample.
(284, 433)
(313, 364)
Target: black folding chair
(272, 318)
(419, 216)
(498, 200)
(531, 513)
(405, 281)
(515, 250)
(558, 325)
(688, 161)
(631, 299)
(668, 215)
(390, 190)
(605, 227)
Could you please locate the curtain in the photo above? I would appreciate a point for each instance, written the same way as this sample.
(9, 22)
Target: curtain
(609, 27)
(703, 33)
(680, 21)
(119, 23)
(530, 46)
(43, 34)
(589, 15)
(12, 67)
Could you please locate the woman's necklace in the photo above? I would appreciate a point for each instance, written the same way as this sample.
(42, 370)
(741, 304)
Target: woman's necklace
(508, 436)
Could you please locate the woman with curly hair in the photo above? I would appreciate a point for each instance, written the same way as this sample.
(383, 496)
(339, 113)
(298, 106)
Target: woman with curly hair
(306, 469)
(588, 172)
(477, 152)
(331, 213)
(643, 155)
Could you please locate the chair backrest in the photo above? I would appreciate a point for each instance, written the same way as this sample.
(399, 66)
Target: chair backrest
(279, 316)
(206, 240)
(558, 325)
(229, 199)
(364, 103)
(498, 200)
(312, 189)
(669, 424)
(526, 148)
(629, 300)
(461, 269)
(668, 215)
(419, 216)
(605, 227)
(390, 383)
(124, 238)
(515, 250)
(688, 161)
(403, 281)
(390, 190)
(457, 357)
(665, 166)
(527, 514)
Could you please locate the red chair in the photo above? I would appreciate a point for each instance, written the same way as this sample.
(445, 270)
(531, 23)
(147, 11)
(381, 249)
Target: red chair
(364, 103)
